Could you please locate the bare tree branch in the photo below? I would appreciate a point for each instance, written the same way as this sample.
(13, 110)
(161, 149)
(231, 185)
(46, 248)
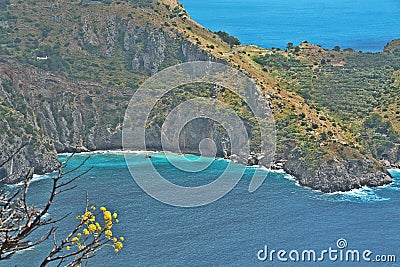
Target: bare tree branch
(8, 159)
(18, 220)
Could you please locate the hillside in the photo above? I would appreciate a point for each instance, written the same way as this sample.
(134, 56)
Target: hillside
(68, 70)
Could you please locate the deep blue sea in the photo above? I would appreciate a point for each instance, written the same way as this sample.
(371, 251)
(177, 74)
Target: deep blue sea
(365, 25)
(230, 231)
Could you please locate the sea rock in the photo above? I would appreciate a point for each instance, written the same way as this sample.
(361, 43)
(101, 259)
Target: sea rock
(339, 175)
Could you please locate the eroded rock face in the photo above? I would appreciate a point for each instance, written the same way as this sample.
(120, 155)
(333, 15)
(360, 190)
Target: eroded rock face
(190, 137)
(148, 48)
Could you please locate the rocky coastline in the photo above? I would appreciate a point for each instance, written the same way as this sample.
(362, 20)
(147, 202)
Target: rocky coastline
(54, 113)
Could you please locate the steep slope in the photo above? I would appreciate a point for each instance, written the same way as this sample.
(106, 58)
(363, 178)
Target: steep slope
(76, 65)
(18, 132)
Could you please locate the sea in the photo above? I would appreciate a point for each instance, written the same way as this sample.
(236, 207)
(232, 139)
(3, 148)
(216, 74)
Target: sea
(235, 230)
(365, 25)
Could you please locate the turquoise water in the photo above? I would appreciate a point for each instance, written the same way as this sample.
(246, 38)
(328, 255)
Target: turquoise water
(228, 232)
(365, 25)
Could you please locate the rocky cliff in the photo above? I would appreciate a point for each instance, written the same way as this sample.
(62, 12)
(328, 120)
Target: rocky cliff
(340, 174)
(20, 133)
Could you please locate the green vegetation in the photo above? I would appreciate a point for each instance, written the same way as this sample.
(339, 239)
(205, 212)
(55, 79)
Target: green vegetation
(91, 47)
(231, 40)
(356, 94)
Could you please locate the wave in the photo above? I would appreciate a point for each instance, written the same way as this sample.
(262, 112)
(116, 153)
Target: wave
(288, 176)
(20, 252)
(361, 195)
(395, 185)
(118, 152)
(37, 177)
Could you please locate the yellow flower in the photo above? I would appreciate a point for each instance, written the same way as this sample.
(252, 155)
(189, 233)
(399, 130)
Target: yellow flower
(118, 245)
(107, 215)
(93, 207)
(85, 231)
(103, 209)
(78, 217)
(92, 228)
(98, 226)
(68, 247)
(74, 240)
(116, 250)
(115, 215)
(108, 234)
(81, 247)
(116, 220)
(86, 215)
(78, 234)
(122, 238)
(114, 239)
(108, 225)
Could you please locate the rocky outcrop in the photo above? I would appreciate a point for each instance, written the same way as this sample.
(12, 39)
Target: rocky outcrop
(393, 46)
(389, 154)
(71, 114)
(340, 174)
(37, 156)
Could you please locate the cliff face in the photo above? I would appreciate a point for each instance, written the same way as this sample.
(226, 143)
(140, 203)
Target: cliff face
(19, 132)
(147, 48)
(69, 113)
